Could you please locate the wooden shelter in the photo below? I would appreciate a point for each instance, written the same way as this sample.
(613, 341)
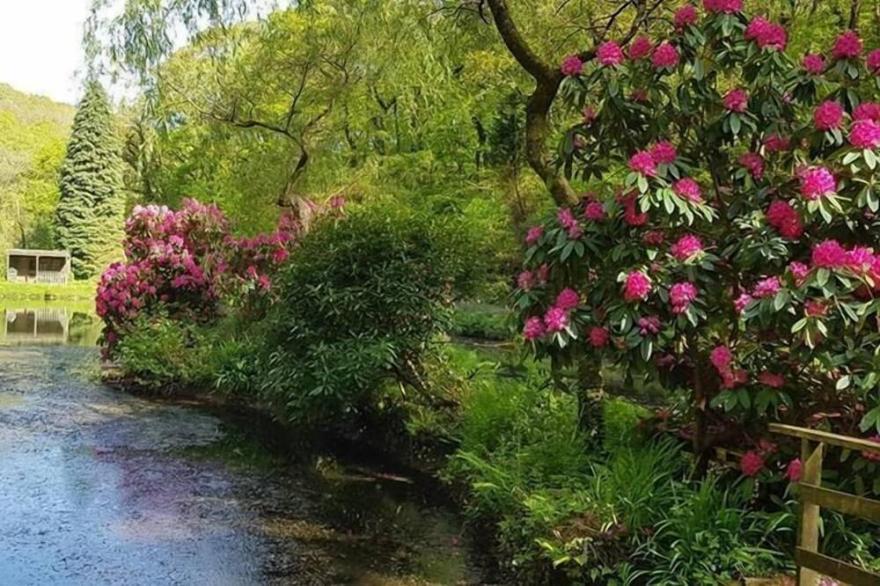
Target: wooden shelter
(37, 266)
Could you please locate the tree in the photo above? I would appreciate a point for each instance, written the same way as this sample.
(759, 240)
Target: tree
(726, 243)
(89, 216)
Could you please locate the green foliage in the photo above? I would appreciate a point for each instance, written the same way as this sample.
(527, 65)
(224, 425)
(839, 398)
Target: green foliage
(621, 419)
(89, 216)
(481, 321)
(33, 131)
(160, 351)
(359, 302)
(707, 534)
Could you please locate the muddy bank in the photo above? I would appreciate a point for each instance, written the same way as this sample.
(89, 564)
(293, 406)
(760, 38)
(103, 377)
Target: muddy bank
(101, 487)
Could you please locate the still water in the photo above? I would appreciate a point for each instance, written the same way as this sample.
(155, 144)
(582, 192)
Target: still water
(101, 487)
(49, 324)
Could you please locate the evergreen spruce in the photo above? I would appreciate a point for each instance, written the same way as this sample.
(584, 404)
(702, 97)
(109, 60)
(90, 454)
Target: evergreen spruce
(90, 212)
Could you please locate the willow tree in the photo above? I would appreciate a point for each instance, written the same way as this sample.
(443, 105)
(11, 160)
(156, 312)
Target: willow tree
(89, 216)
(312, 99)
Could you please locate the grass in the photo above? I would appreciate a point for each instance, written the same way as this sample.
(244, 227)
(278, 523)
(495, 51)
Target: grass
(74, 291)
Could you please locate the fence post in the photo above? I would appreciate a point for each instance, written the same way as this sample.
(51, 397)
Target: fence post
(809, 529)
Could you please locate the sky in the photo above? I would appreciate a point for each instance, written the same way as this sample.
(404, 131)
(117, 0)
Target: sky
(40, 50)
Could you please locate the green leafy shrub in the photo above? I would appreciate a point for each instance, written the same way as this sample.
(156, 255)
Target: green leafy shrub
(709, 536)
(162, 352)
(359, 304)
(481, 321)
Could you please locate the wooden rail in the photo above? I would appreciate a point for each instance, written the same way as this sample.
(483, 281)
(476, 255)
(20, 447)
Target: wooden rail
(811, 563)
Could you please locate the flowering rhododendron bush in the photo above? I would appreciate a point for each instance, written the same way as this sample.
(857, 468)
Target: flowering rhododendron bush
(727, 239)
(185, 262)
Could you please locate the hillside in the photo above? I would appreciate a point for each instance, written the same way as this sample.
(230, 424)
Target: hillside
(33, 135)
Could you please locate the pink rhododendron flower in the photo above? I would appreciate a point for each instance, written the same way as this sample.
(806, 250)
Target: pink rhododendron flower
(766, 34)
(873, 61)
(799, 272)
(525, 280)
(865, 134)
(594, 210)
(663, 153)
(568, 299)
(639, 95)
(534, 234)
(847, 46)
(688, 189)
(794, 470)
(556, 319)
(630, 214)
(642, 162)
(686, 247)
(751, 463)
(742, 302)
(721, 358)
(640, 48)
(534, 328)
(828, 115)
(543, 273)
(754, 164)
(775, 143)
(649, 325)
(681, 295)
(665, 56)
(867, 111)
(685, 16)
(813, 63)
(860, 259)
(599, 336)
(873, 456)
(736, 100)
(785, 219)
(815, 308)
(768, 287)
(653, 238)
(609, 54)
(816, 183)
(589, 115)
(571, 66)
(829, 254)
(566, 218)
(732, 378)
(771, 379)
(637, 286)
(723, 6)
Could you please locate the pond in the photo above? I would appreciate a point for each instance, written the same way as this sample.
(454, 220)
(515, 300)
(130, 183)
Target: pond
(102, 487)
(49, 323)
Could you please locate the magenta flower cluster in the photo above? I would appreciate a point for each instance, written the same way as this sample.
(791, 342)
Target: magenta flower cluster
(184, 261)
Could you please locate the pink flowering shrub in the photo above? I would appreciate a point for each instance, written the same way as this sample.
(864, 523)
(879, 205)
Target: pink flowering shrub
(738, 252)
(184, 262)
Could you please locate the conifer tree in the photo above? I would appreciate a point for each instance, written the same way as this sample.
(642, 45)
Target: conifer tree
(89, 216)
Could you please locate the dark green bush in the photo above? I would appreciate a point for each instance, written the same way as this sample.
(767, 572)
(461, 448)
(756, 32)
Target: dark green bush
(358, 304)
(162, 352)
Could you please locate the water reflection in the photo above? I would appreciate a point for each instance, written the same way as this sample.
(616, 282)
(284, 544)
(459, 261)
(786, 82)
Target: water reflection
(50, 325)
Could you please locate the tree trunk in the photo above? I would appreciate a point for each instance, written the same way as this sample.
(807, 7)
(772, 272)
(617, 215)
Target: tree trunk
(591, 401)
(855, 9)
(547, 81)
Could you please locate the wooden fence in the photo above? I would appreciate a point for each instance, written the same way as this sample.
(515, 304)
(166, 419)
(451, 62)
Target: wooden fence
(812, 564)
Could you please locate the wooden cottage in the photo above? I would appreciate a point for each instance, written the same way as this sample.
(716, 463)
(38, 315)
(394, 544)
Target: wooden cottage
(37, 266)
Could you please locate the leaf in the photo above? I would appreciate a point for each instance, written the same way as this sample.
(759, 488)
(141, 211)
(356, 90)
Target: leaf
(647, 348)
(842, 382)
(735, 124)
